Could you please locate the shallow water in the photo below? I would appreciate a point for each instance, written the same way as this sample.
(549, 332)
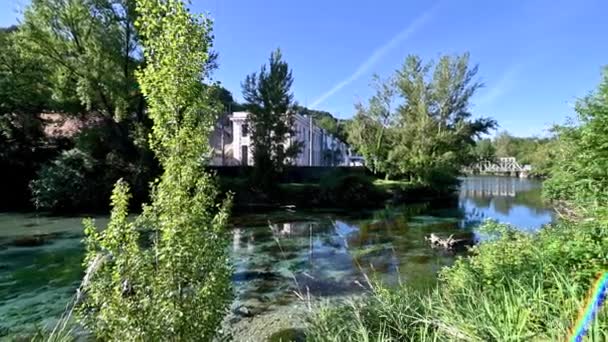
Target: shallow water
(276, 255)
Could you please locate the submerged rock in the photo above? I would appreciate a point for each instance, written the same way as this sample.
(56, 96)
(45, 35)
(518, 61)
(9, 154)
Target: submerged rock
(281, 323)
(251, 275)
(243, 311)
(32, 240)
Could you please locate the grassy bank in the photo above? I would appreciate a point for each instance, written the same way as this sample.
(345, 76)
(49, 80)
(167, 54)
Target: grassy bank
(518, 286)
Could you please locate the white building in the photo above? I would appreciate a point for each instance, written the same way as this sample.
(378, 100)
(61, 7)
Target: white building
(232, 145)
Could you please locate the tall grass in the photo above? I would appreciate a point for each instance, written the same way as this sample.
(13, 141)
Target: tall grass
(516, 287)
(512, 311)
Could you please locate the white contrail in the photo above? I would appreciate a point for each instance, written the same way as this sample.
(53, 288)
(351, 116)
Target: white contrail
(378, 54)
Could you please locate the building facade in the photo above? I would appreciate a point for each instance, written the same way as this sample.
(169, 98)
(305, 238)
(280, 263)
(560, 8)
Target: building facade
(232, 146)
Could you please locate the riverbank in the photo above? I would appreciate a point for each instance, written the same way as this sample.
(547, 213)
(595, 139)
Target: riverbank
(515, 286)
(336, 192)
(327, 188)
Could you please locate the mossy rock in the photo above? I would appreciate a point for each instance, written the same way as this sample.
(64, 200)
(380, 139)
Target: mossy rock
(288, 335)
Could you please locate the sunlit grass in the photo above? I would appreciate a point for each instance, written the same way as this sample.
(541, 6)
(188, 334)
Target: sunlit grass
(513, 311)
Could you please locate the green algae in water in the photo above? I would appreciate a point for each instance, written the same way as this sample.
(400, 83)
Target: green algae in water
(288, 335)
(37, 284)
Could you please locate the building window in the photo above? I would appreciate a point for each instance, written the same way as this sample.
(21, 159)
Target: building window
(244, 155)
(245, 130)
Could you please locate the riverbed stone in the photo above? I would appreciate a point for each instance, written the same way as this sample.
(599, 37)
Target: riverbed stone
(31, 241)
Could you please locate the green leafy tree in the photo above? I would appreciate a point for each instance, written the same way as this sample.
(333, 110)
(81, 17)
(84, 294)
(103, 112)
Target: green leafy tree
(579, 174)
(372, 129)
(438, 131)
(430, 135)
(484, 150)
(90, 47)
(91, 51)
(24, 93)
(179, 288)
(270, 103)
(504, 144)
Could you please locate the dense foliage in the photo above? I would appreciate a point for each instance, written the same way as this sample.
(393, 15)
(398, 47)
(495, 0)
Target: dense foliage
(343, 189)
(580, 171)
(179, 287)
(24, 92)
(484, 150)
(515, 285)
(418, 125)
(89, 50)
(270, 104)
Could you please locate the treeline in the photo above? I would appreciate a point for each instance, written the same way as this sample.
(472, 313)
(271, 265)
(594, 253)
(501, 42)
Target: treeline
(68, 75)
(516, 285)
(534, 151)
(73, 119)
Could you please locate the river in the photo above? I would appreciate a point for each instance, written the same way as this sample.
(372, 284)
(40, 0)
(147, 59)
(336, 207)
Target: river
(278, 257)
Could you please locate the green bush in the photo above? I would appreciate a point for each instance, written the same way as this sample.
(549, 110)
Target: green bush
(512, 311)
(576, 248)
(81, 179)
(579, 174)
(353, 190)
(67, 183)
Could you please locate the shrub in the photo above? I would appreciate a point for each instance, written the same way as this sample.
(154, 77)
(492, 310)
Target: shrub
(579, 249)
(514, 310)
(67, 183)
(82, 178)
(343, 189)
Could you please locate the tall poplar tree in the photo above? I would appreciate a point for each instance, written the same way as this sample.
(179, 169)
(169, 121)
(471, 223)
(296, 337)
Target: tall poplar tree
(179, 288)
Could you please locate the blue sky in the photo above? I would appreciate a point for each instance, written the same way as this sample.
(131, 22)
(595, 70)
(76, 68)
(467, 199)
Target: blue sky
(536, 57)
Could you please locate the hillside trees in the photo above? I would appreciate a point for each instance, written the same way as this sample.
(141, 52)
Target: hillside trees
(326, 121)
(179, 287)
(429, 134)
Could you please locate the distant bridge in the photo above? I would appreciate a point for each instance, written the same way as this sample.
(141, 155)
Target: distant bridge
(505, 166)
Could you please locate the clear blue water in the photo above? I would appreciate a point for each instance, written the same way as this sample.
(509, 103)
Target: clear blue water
(275, 254)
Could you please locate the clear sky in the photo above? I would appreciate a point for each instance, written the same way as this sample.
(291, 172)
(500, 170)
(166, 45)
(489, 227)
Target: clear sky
(536, 57)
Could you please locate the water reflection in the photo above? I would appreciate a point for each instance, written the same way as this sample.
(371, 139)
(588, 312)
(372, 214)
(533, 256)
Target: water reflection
(509, 200)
